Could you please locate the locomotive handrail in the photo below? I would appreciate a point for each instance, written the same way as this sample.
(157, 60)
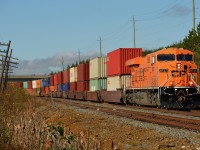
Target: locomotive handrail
(166, 81)
(195, 83)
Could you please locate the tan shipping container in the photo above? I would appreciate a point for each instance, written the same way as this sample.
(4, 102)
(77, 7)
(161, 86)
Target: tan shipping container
(118, 82)
(34, 85)
(73, 74)
(98, 68)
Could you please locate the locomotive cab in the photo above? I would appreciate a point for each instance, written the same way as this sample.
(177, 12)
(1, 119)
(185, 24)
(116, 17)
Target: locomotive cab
(166, 78)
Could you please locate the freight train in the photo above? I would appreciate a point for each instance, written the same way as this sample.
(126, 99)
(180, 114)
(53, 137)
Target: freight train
(165, 78)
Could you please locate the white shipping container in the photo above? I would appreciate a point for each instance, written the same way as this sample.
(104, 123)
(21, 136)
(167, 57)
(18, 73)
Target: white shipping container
(73, 74)
(98, 68)
(34, 84)
(118, 82)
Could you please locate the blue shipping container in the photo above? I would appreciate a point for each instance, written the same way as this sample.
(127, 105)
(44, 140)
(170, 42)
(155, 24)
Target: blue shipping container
(66, 87)
(60, 87)
(45, 82)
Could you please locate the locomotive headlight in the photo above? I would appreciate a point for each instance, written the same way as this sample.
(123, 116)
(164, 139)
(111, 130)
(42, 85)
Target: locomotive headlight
(171, 83)
(178, 66)
(191, 83)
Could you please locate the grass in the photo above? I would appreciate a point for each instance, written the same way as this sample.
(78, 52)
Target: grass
(22, 127)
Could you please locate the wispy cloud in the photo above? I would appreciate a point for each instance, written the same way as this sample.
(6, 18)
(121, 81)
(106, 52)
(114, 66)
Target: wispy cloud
(178, 10)
(47, 65)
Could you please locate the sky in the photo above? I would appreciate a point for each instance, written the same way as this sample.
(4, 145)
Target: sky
(44, 31)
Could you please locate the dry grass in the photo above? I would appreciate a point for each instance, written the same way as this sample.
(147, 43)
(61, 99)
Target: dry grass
(22, 127)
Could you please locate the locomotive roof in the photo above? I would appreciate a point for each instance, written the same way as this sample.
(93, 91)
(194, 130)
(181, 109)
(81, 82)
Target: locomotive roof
(139, 60)
(172, 51)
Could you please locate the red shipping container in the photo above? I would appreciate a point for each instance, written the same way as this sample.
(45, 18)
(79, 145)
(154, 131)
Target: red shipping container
(116, 60)
(29, 84)
(60, 77)
(16, 84)
(66, 76)
(47, 90)
(83, 72)
(83, 86)
(55, 79)
(52, 80)
(43, 90)
(73, 86)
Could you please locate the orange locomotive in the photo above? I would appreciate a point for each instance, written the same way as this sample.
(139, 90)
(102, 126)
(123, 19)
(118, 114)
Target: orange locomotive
(166, 78)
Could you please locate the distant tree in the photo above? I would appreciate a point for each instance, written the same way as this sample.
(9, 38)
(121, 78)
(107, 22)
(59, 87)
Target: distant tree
(68, 66)
(144, 53)
(51, 73)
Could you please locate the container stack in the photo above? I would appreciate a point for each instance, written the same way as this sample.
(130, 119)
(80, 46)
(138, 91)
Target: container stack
(73, 78)
(83, 77)
(52, 87)
(38, 87)
(60, 81)
(66, 83)
(28, 86)
(45, 86)
(119, 75)
(34, 85)
(98, 74)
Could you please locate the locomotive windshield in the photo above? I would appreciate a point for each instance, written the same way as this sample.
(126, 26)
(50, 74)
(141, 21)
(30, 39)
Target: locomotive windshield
(184, 57)
(165, 57)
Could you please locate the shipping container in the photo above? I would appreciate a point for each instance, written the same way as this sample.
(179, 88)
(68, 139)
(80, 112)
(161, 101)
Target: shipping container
(116, 60)
(52, 80)
(53, 88)
(118, 82)
(29, 84)
(83, 72)
(45, 82)
(66, 87)
(60, 87)
(82, 86)
(43, 91)
(66, 76)
(73, 74)
(98, 84)
(60, 77)
(38, 84)
(47, 91)
(34, 85)
(25, 85)
(16, 84)
(55, 79)
(98, 68)
(73, 86)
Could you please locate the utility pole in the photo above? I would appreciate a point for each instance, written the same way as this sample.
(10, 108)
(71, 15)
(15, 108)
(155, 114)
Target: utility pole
(134, 45)
(62, 63)
(193, 14)
(6, 65)
(100, 46)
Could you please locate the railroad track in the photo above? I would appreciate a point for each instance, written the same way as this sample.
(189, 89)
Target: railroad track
(180, 122)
